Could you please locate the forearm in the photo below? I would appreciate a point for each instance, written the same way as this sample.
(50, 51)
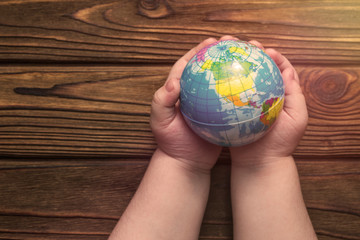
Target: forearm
(268, 203)
(169, 203)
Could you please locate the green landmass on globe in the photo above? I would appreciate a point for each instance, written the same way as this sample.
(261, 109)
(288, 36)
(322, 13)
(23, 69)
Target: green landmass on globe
(231, 93)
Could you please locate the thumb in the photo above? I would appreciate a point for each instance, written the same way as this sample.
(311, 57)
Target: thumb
(163, 103)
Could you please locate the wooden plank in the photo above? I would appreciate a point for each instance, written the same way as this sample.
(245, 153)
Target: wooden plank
(87, 124)
(104, 111)
(71, 199)
(41, 109)
(162, 31)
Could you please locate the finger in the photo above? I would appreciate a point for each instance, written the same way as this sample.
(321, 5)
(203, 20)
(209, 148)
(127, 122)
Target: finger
(290, 77)
(281, 61)
(295, 104)
(228, 37)
(163, 103)
(179, 66)
(256, 43)
(291, 84)
(196, 49)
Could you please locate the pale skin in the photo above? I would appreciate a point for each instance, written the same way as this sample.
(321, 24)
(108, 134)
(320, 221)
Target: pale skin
(266, 197)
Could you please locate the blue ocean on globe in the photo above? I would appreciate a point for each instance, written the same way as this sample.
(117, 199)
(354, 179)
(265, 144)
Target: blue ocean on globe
(231, 93)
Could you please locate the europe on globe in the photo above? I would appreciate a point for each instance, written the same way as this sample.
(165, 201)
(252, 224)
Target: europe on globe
(231, 93)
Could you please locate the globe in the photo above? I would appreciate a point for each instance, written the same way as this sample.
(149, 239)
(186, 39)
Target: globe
(231, 93)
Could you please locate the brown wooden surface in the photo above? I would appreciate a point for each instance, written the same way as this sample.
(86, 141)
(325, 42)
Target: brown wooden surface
(76, 82)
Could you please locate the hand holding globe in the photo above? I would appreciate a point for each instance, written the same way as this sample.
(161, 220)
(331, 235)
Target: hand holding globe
(284, 137)
(236, 95)
(175, 138)
(172, 134)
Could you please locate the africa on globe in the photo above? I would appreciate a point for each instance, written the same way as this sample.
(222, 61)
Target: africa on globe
(231, 93)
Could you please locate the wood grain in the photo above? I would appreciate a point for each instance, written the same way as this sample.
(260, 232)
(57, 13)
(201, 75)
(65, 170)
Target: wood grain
(76, 83)
(78, 199)
(162, 31)
(104, 111)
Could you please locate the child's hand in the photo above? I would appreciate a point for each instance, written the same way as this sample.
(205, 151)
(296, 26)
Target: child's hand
(287, 131)
(172, 134)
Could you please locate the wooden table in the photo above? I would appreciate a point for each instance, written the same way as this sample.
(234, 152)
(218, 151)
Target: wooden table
(77, 79)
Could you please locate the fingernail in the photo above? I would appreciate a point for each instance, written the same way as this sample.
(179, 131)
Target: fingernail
(169, 86)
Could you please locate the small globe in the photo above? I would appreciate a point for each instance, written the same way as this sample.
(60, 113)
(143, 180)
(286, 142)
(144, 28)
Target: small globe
(231, 93)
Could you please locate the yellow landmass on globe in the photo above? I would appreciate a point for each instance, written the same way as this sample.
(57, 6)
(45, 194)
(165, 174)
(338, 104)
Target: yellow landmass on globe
(238, 50)
(207, 64)
(231, 77)
(230, 88)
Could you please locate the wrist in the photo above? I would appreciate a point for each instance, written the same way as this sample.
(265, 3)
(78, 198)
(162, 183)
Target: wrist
(186, 166)
(260, 163)
(271, 170)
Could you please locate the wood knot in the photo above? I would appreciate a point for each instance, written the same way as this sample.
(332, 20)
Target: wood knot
(154, 8)
(149, 4)
(330, 86)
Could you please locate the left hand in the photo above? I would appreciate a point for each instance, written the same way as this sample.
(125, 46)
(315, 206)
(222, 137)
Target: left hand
(171, 132)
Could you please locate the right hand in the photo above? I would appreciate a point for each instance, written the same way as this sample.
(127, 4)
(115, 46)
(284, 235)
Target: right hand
(288, 129)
